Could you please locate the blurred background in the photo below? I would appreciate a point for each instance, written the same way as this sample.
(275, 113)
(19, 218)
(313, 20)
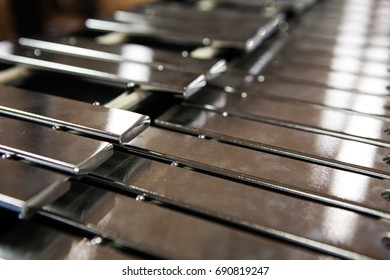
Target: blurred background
(21, 17)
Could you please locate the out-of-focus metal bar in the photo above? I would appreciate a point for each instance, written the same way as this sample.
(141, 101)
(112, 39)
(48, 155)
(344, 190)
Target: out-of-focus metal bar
(24, 240)
(110, 124)
(25, 188)
(128, 52)
(124, 74)
(56, 149)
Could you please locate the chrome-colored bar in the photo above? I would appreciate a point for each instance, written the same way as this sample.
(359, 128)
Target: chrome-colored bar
(317, 148)
(333, 62)
(266, 170)
(141, 225)
(277, 214)
(246, 39)
(273, 87)
(123, 74)
(331, 79)
(56, 149)
(110, 124)
(79, 46)
(25, 188)
(23, 240)
(300, 116)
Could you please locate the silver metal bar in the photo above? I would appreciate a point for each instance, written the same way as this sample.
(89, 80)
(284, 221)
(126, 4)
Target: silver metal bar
(267, 170)
(317, 148)
(336, 63)
(128, 52)
(134, 224)
(305, 45)
(178, 30)
(273, 87)
(124, 73)
(331, 79)
(32, 241)
(300, 116)
(25, 188)
(110, 124)
(60, 150)
(277, 214)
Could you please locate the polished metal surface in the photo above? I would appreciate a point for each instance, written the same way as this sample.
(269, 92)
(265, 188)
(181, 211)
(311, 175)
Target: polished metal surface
(36, 188)
(330, 79)
(248, 206)
(321, 183)
(299, 144)
(79, 46)
(109, 124)
(141, 225)
(31, 241)
(273, 87)
(60, 150)
(302, 116)
(124, 73)
(337, 63)
(248, 38)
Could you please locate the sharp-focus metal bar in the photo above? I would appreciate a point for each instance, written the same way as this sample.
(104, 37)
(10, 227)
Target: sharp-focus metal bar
(21, 240)
(266, 170)
(129, 52)
(60, 150)
(110, 124)
(148, 77)
(323, 120)
(317, 148)
(178, 30)
(273, 87)
(25, 188)
(277, 214)
(137, 225)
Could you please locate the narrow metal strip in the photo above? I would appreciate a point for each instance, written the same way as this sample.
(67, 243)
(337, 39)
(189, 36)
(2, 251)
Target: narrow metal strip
(138, 225)
(287, 217)
(25, 188)
(60, 150)
(273, 87)
(24, 240)
(117, 73)
(322, 120)
(330, 79)
(317, 148)
(128, 52)
(109, 124)
(267, 170)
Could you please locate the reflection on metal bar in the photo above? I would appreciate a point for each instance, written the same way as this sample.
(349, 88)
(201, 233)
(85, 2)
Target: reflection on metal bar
(25, 188)
(124, 74)
(128, 52)
(247, 39)
(247, 206)
(140, 225)
(273, 87)
(267, 170)
(56, 149)
(24, 240)
(110, 124)
(317, 148)
(322, 120)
